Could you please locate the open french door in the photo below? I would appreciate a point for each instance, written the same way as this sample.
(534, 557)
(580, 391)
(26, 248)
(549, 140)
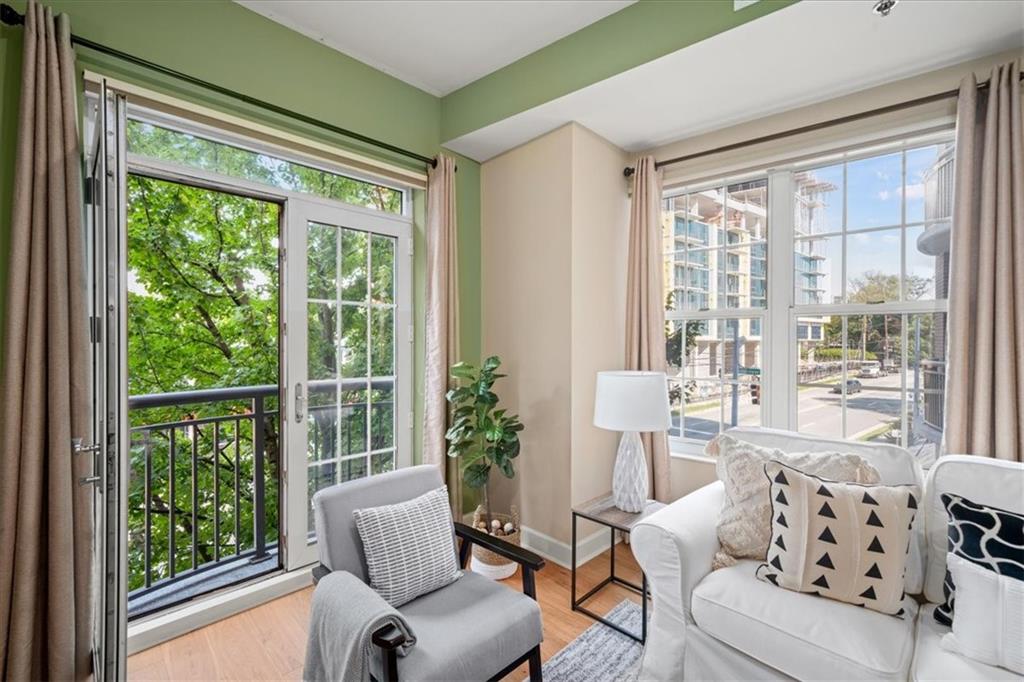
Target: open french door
(347, 403)
(105, 245)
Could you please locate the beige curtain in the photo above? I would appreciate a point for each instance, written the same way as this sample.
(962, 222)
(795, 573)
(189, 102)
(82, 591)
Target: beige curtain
(985, 374)
(442, 324)
(45, 518)
(645, 305)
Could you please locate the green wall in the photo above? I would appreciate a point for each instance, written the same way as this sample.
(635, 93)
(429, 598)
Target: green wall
(222, 42)
(633, 36)
(231, 46)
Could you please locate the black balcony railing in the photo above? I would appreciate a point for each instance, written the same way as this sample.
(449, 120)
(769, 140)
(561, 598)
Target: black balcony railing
(225, 456)
(205, 470)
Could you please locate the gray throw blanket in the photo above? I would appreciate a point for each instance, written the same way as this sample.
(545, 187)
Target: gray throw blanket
(344, 615)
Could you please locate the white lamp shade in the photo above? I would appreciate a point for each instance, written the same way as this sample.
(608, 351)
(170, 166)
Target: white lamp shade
(632, 401)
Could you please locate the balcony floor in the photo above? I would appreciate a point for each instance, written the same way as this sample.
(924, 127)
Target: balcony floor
(229, 572)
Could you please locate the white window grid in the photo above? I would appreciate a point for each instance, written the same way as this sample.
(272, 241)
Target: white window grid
(779, 348)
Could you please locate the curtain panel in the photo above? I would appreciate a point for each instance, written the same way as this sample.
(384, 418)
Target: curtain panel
(442, 321)
(985, 376)
(45, 515)
(645, 306)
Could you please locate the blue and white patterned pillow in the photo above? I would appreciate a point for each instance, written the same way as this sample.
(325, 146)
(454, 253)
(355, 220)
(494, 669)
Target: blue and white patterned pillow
(989, 537)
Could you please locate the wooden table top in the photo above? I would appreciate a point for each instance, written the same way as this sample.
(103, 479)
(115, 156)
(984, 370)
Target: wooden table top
(602, 509)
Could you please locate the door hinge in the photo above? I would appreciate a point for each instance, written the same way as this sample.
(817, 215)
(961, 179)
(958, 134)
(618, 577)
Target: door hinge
(94, 329)
(412, 420)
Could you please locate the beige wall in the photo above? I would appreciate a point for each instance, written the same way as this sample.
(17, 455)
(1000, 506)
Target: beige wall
(554, 215)
(526, 211)
(600, 209)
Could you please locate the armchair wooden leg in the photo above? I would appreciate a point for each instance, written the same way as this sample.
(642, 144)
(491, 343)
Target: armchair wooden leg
(529, 583)
(536, 672)
(390, 667)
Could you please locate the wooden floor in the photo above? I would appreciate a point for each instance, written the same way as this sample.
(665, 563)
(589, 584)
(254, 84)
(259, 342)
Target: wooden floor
(269, 641)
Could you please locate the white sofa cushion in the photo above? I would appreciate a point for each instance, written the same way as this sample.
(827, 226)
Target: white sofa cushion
(989, 622)
(932, 662)
(801, 635)
(992, 482)
(895, 466)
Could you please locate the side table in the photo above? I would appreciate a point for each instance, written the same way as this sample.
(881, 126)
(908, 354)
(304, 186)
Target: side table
(602, 510)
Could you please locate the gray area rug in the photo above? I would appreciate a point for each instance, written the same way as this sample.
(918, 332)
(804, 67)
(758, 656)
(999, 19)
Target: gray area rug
(600, 654)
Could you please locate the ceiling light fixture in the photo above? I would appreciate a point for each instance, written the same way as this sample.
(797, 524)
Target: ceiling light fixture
(883, 7)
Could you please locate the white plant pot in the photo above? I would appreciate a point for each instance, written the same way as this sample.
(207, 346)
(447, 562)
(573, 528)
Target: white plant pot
(499, 572)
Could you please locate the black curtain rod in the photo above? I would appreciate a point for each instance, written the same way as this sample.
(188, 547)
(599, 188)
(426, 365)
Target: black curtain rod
(11, 17)
(927, 99)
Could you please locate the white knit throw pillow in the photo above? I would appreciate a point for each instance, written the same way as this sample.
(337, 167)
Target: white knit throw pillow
(409, 546)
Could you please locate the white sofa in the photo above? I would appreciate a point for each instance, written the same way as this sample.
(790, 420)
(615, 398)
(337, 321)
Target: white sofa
(726, 624)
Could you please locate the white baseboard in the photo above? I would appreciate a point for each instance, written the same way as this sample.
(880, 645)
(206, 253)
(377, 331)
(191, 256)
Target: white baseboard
(561, 552)
(165, 626)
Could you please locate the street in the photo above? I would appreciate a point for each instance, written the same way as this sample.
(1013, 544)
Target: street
(819, 411)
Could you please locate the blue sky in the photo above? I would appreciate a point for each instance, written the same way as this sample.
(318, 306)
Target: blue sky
(875, 197)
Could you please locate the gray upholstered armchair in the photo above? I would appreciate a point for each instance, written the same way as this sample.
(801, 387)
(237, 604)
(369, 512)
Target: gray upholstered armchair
(473, 629)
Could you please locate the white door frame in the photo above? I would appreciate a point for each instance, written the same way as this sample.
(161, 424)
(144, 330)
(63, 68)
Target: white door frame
(300, 549)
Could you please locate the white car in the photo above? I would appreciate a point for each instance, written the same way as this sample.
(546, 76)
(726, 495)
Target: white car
(870, 370)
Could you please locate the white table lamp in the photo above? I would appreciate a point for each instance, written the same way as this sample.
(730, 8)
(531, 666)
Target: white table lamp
(631, 402)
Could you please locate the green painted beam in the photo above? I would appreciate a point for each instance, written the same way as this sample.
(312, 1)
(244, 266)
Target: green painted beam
(633, 36)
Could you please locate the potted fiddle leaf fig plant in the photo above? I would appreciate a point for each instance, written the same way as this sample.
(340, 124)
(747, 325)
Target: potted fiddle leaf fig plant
(484, 438)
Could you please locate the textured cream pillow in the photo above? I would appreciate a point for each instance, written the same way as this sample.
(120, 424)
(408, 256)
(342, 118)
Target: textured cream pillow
(745, 524)
(843, 541)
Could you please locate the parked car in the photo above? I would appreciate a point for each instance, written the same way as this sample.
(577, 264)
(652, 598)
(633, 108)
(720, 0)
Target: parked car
(852, 386)
(870, 370)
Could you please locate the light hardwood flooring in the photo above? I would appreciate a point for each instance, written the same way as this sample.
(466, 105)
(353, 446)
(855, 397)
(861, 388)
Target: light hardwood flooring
(269, 641)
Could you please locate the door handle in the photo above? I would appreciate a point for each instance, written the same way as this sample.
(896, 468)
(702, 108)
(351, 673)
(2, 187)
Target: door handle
(300, 403)
(78, 448)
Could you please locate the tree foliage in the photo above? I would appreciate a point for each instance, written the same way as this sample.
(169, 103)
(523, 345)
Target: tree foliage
(203, 313)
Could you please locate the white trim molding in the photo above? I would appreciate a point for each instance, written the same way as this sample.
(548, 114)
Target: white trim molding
(561, 552)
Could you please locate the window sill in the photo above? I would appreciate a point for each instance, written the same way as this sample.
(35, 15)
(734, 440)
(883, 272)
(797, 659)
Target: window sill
(692, 452)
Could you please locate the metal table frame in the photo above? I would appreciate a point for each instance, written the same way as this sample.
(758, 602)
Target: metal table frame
(577, 604)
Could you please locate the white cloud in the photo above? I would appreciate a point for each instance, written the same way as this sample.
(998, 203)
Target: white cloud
(915, 191)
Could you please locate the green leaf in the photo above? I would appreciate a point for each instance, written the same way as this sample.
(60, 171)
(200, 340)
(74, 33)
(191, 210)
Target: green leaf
(463, 370)
(491, 363)
(475, 475)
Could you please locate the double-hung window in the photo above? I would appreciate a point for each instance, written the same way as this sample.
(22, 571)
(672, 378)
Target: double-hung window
(715, 240)
(854, 319)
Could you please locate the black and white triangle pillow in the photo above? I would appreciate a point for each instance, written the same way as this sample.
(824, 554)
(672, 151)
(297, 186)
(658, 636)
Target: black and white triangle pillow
(986, 536)
(843, 541)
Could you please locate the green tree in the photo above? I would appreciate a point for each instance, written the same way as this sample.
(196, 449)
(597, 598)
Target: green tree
(203, 313)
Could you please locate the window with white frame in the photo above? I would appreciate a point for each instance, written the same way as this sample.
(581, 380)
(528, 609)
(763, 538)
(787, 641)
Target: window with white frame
(861, 310)
(716, 282)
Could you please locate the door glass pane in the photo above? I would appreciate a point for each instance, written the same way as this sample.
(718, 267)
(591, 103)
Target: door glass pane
(383, 262)
(179, 147)
(351, 378)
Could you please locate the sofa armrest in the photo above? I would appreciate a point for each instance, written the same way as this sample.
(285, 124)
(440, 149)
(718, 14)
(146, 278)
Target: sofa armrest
(675, 548)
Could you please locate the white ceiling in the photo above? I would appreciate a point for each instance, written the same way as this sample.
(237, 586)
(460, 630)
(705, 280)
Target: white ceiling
(806, 53)
(436, 45)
